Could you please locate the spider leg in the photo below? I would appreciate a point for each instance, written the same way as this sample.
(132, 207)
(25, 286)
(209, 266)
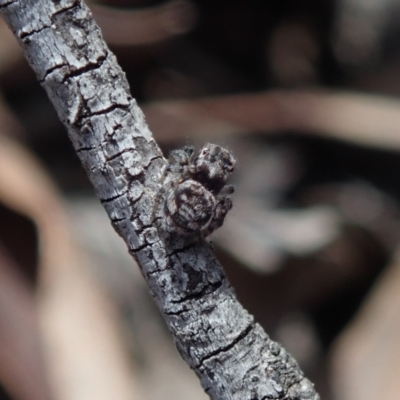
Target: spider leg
(178, 159)
(226, 190)
(223, 205)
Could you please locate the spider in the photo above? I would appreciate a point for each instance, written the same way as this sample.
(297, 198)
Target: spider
(195, 194)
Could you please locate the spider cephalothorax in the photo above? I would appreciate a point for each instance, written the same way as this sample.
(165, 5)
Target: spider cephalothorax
(195, 193)
(212, 167)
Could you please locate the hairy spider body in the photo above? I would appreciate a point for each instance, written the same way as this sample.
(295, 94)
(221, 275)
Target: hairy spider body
(213, 166)
(194, 190)
(190, 206)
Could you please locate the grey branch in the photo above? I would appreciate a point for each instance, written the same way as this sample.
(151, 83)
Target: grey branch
(231, 354)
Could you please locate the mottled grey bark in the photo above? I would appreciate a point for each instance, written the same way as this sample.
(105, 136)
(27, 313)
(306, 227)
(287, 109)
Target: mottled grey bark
(231, 354)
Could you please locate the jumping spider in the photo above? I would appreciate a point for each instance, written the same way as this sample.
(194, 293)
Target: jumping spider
(195, 194)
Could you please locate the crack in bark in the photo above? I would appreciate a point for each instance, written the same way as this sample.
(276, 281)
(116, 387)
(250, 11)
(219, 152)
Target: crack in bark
(155, 158)
(84, 114)
(228, 347)
(119, 154)
(142, 229)
(75, 4)
(176, 313)
(206, 290)
(25, 36)
(84, 149)
(113, 198)
(115, 220)
(133, 202)
(51, 70)
(89, 67)
(5, 5)
(140, 248)
(105, 110)
(181, 250)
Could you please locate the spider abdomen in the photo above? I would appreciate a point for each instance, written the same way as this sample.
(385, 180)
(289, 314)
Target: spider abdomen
(195, 195)
(190, 206)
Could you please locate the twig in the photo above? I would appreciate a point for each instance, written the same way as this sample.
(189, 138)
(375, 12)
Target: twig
(151, 25)
(231, 354)
(363, 119)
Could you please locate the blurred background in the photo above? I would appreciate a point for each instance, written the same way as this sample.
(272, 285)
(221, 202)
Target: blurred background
(306, 94)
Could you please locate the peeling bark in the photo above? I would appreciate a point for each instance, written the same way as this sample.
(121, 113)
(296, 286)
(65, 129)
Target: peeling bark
(231, 354)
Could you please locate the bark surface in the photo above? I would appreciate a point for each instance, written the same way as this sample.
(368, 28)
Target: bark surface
(231, 354)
